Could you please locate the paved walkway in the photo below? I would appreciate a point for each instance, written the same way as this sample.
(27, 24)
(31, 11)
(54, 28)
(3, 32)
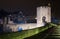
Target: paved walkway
(41, 35)
(52, 33)
(55, 33)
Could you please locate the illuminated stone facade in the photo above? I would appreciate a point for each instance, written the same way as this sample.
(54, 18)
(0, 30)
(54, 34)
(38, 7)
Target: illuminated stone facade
(43, 11)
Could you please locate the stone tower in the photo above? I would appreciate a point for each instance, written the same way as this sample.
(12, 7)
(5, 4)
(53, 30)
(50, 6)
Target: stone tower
(43, 12)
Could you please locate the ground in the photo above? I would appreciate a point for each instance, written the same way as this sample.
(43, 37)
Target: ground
(44, 32)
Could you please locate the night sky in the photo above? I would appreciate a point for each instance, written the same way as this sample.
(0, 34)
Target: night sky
(28, 7)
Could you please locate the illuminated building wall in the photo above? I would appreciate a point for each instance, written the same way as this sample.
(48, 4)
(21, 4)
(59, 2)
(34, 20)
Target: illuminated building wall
(43, 11)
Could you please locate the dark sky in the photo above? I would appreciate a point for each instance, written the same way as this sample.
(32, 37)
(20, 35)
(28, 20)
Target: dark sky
(56, 8)
(28, 6)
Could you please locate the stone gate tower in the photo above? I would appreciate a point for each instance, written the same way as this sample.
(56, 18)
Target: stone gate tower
(43, 13)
